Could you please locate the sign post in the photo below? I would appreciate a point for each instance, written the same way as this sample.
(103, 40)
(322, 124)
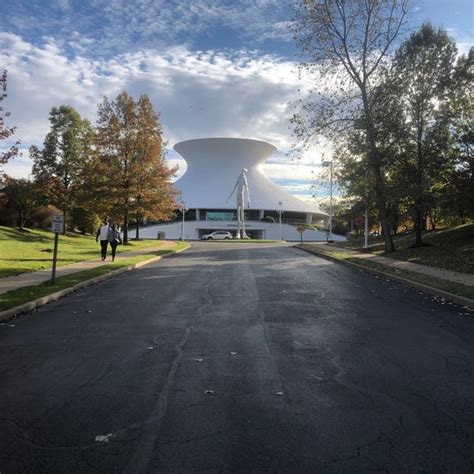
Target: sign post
(57, 226)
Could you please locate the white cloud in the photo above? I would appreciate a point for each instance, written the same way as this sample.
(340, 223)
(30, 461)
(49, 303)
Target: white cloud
(464, 40)
(199, 94)
(296, 171)
(125, 25)
(20, 166)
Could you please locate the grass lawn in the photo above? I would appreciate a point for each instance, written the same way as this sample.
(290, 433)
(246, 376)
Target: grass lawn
(29, 293)
(452, 249)
(30, 250)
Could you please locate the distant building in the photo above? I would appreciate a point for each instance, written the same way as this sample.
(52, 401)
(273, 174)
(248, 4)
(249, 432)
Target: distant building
(214, 165)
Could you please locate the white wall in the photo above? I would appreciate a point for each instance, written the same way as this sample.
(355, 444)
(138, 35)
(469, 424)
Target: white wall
(271, 230)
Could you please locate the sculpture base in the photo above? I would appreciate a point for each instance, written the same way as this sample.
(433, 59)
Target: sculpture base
(241, 235)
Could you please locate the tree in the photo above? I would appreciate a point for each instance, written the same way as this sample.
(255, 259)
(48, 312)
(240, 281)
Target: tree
(60, 165)
(130, 146)
(423, 68)
(301, 228)
(461, 106)
(5, 132)
(23, 198)
(347, 43)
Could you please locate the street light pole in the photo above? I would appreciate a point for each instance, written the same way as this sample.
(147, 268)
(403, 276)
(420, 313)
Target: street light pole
(183, 210)
(326, 164)
(280, 204)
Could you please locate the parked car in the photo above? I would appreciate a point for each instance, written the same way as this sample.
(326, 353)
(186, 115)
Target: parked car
(217, 235)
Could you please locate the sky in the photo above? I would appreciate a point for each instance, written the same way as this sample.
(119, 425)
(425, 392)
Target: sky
(212, 68)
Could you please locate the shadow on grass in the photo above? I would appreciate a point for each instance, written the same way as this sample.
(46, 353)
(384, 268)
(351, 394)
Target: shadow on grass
(22, 236)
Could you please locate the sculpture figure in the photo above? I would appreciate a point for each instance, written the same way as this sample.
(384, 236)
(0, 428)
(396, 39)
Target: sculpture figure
(242, 188)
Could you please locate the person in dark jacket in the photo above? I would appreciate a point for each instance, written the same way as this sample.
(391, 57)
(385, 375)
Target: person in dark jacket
(114, 239)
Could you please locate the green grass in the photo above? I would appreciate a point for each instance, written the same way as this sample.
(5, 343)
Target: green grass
(29, 293)
(452, 249)
(438, 283)
(31, 250)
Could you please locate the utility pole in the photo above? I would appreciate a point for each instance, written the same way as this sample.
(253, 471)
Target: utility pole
(329, 164)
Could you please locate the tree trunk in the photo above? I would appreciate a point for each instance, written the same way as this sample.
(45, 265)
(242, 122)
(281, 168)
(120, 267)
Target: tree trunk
(418, 226)
(379, 192)
(395, 224)
(125, 227)
(23, 220)
(419, 181)
(64, 227)
(375, 162)
(433, 221)
(137, 233)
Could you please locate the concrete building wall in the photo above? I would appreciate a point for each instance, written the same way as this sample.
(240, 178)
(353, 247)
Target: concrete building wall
(265, 230)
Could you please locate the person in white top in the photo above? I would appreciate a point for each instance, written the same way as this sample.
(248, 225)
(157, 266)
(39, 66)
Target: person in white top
(102, 235)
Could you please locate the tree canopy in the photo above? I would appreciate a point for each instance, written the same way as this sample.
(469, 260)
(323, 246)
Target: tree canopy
(130, 151)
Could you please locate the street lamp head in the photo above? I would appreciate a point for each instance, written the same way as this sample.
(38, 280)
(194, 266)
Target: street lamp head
(326, 163)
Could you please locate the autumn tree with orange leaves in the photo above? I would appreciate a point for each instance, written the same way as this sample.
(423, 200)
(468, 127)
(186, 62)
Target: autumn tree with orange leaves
(130, 151)
(5, 132)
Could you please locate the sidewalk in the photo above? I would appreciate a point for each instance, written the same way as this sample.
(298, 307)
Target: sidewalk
(36, 278)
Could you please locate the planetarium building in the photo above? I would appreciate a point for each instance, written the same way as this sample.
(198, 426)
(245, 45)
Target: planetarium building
(213, 167)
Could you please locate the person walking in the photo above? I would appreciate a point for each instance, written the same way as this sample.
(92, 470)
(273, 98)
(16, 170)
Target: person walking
(103, 236)
(114, 239)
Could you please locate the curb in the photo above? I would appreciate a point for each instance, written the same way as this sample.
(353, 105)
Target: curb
(461, 300)
(26, 307)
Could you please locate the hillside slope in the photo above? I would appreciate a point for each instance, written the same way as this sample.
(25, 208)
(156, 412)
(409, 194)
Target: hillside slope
(452, 248)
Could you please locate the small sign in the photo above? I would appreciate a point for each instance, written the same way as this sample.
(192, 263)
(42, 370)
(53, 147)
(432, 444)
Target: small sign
(57, 224)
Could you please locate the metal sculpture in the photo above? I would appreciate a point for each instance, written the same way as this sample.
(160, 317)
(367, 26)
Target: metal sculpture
(242, 188)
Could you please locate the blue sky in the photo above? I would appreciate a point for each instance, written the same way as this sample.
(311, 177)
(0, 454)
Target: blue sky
(213, 68)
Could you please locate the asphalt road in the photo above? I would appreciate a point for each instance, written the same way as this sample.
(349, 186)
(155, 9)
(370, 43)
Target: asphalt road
(239, 358)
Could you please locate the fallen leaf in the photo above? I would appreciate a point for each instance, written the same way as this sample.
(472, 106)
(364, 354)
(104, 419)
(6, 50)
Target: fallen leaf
(103, 438)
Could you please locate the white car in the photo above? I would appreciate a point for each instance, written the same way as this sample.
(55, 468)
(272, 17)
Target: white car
(217, 235)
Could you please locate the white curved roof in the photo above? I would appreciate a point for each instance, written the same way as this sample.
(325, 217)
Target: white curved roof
(214, 164)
